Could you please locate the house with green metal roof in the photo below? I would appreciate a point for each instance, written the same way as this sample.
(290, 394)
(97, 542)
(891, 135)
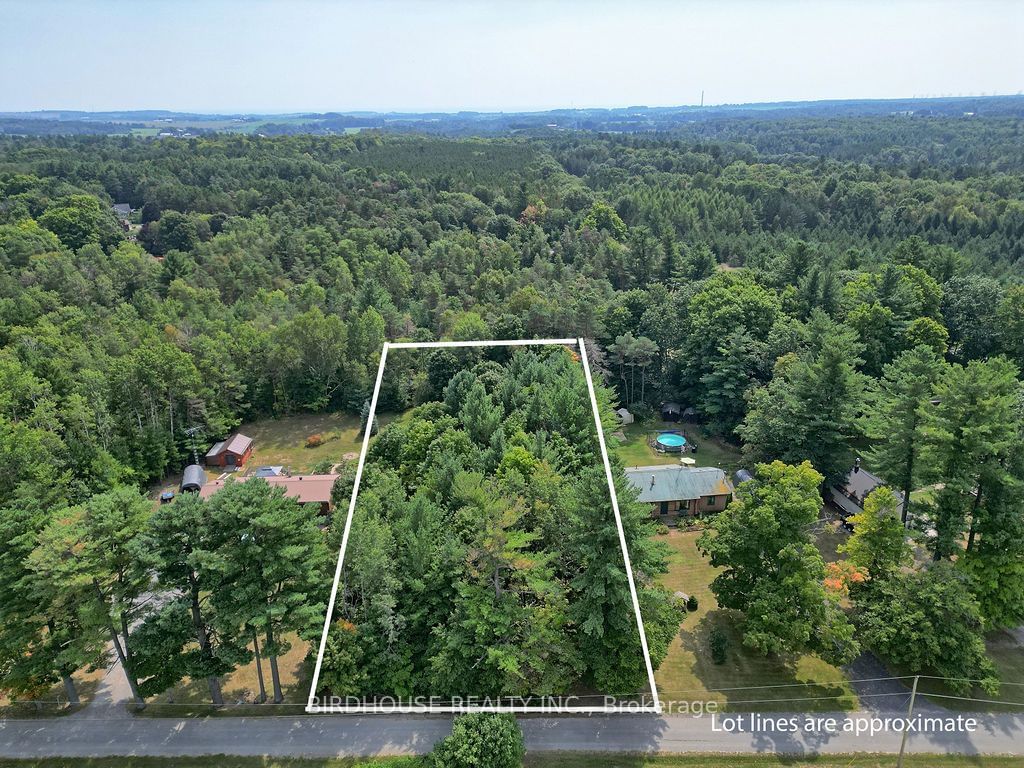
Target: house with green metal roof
(676, 490)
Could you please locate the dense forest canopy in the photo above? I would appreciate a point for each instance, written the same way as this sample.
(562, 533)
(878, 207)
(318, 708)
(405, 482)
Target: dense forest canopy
(483, 559)
(814, 288)
(268, 271)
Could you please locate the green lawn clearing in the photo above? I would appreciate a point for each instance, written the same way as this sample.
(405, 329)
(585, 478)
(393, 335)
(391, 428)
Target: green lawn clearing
(742, 683)
(711, 451)
(283, 441)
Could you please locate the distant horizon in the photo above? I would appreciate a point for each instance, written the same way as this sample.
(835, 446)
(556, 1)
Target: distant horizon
(496, 56)
(468, 110)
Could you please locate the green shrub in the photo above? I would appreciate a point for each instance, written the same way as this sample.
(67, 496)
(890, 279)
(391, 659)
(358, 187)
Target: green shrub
(691, 603)
(323, 467)
(661, 529)
(719, 643)
(481, 740)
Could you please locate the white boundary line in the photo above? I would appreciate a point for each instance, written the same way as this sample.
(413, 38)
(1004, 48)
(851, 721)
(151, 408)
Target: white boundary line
(618, 524)
(641, 707)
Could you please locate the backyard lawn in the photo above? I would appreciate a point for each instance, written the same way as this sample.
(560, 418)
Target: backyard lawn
(283, 441)
(711, 451)
(688, 674)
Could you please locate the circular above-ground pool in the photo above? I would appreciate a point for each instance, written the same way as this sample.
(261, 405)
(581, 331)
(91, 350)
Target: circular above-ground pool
(670, 442)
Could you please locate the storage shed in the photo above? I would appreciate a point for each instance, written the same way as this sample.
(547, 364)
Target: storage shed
(193, 479)
(233, 452)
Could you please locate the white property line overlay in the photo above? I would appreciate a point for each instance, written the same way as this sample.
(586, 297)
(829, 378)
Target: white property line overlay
(624, 708)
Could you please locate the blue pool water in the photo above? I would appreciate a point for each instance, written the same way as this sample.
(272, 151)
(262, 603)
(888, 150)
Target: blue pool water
(670, 440)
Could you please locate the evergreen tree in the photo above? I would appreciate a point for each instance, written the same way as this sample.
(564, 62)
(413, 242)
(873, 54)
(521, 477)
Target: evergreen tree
(178, 547)
(968, 436)
(896, 418)
(270, 560)
(479, 415)
(601, 607)
(42, 638)
(810, 408)
(91, 551)
(730, 375)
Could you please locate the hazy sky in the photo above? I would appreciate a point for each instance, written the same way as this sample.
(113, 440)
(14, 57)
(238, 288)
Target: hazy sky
(317, 55)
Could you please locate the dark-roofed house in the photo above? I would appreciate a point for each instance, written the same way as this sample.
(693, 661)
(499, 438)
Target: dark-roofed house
(193, 479)
(306, 489)
(230, 453)
(673, 490)
(848, 496)
(671, 411)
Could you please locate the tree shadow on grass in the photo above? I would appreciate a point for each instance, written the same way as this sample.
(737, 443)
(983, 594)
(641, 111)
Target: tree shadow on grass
(748, 681)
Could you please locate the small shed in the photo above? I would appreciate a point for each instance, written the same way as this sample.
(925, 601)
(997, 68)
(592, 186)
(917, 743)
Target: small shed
(274, 471)
(193, 479)
(671, 411)
(625, 417)
(232, 453)
(741, 476)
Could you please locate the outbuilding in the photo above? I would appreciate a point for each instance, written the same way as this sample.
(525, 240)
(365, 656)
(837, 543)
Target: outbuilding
(230, 453)
(193, 479)
(741, 475)
(274, 471)
(671, 411)
(625, 417)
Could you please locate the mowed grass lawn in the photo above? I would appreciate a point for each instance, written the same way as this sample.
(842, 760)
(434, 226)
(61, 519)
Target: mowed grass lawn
(711, 451)
(539, 760)
(742, 682)
(283, 441)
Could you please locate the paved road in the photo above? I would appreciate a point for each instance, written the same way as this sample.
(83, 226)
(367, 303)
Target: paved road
(326, 735)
